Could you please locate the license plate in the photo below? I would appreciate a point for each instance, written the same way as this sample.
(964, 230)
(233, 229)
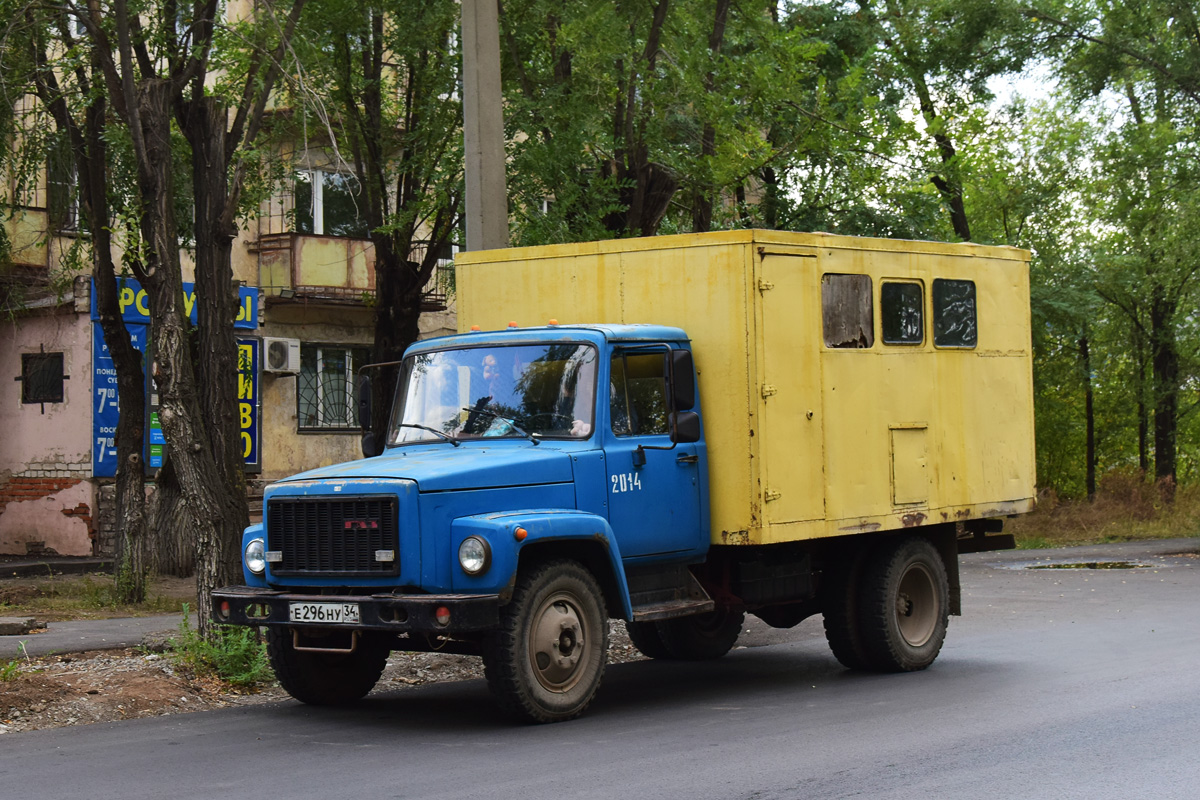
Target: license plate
(324, 612)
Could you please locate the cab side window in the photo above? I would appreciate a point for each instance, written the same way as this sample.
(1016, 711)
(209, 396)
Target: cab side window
(638, 394)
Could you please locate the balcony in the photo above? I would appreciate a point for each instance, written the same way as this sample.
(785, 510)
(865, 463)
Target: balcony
(335, 270)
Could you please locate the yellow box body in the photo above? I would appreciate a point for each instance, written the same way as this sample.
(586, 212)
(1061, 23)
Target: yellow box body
(805, 440)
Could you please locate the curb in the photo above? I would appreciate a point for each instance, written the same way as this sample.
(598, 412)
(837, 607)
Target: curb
(57, 566)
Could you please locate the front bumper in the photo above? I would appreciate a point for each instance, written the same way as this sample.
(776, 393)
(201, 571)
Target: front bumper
(397, 613)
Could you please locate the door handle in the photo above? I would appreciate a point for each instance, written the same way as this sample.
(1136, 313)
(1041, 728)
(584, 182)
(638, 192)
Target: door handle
(687, 459)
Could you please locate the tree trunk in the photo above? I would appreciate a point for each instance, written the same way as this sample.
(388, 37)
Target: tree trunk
(1143, 413)
(1165, 363)
(188, 445)
(174, 549)
(218, 560)
(702, 208)
(397, 323)
(133, 550)
(1090, 414)
(948, 185)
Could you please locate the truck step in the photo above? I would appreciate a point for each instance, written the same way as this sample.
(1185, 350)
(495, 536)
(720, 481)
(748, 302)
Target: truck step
(670, 610)
(666, 592)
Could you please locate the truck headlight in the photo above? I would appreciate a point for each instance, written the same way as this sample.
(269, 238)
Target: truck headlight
(256, 556)
(474, 555)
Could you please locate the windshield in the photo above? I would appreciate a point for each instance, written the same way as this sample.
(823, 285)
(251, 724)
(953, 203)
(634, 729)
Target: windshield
(543, 390)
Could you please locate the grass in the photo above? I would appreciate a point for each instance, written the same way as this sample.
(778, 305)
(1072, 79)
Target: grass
(1126, 508)
(235, 655)
(11, 670)
(55, 598)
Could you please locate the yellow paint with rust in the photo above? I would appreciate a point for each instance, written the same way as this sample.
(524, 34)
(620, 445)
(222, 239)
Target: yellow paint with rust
(806, 440)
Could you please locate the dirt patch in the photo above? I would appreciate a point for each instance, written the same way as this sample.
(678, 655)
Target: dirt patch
(107, 686)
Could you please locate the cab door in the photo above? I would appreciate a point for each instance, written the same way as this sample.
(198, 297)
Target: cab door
(653, 494)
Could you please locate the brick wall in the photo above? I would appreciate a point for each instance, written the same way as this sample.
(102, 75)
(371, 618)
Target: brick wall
(45, 481)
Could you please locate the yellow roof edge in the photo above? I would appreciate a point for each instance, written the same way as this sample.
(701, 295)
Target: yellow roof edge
(741, 236)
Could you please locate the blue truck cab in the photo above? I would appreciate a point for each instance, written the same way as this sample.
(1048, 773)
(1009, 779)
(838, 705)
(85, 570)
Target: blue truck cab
(533, 483)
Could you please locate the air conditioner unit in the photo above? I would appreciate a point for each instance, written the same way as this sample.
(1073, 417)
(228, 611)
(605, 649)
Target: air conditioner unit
(281, 355)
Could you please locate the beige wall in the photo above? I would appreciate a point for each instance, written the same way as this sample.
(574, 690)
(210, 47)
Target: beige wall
(286, 451)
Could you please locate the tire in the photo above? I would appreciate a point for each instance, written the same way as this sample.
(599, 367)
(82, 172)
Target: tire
(645, 638)
(840, 610)
(904, 605)
(325, 679)
(545, 661)
(702, 637)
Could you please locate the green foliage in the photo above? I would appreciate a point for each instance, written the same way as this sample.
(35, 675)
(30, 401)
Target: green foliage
(10, 670)
(233, 654)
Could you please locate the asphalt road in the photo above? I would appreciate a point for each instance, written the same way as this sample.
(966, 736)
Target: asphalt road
(1057, 683)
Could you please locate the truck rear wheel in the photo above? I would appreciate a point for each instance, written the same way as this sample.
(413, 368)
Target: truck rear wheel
(645, 638)
(903, 605)
(324, 679)
(701, 637)
(840, 609)
(545, 661)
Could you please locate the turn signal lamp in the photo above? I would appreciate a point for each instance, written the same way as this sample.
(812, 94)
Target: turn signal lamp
(520, 534)
(442, 615)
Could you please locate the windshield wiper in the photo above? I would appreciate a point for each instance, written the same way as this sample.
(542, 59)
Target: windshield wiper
(435, 431)
(506, 420)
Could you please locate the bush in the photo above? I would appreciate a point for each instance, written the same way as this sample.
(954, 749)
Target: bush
(235, 655)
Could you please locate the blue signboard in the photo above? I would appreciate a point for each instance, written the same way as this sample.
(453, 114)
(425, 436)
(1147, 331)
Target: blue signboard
(136, 314)
(135, 305)
(104, 396)
(249, 409)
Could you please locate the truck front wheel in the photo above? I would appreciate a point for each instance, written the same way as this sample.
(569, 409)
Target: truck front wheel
(324, 679)
(903, 605)
(545, 661)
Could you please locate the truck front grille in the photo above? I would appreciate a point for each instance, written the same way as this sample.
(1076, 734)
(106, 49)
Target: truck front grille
(333, 537)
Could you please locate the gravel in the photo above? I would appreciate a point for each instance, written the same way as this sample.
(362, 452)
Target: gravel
(110, 685)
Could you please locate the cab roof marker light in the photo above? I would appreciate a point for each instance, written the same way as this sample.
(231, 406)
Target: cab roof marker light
(552, 322)
(513, 324)
(476, 328)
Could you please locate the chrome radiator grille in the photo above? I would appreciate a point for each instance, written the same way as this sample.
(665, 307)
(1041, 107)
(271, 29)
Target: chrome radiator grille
(333, 537)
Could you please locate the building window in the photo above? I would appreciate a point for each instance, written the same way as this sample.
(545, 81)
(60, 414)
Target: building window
(638, 394)
(846, 310)
(329, 204)
(62, 190)
(325, 389)
(901, 311)
(42, 377)
(954, 323)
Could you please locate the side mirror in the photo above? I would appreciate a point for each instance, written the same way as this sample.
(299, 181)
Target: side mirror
(364, 402)
(683, 380)
(371, 445)
(686, 427)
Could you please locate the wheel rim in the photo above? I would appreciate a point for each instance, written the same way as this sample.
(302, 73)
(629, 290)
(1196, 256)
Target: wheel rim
(558, 643)
(917, 606)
